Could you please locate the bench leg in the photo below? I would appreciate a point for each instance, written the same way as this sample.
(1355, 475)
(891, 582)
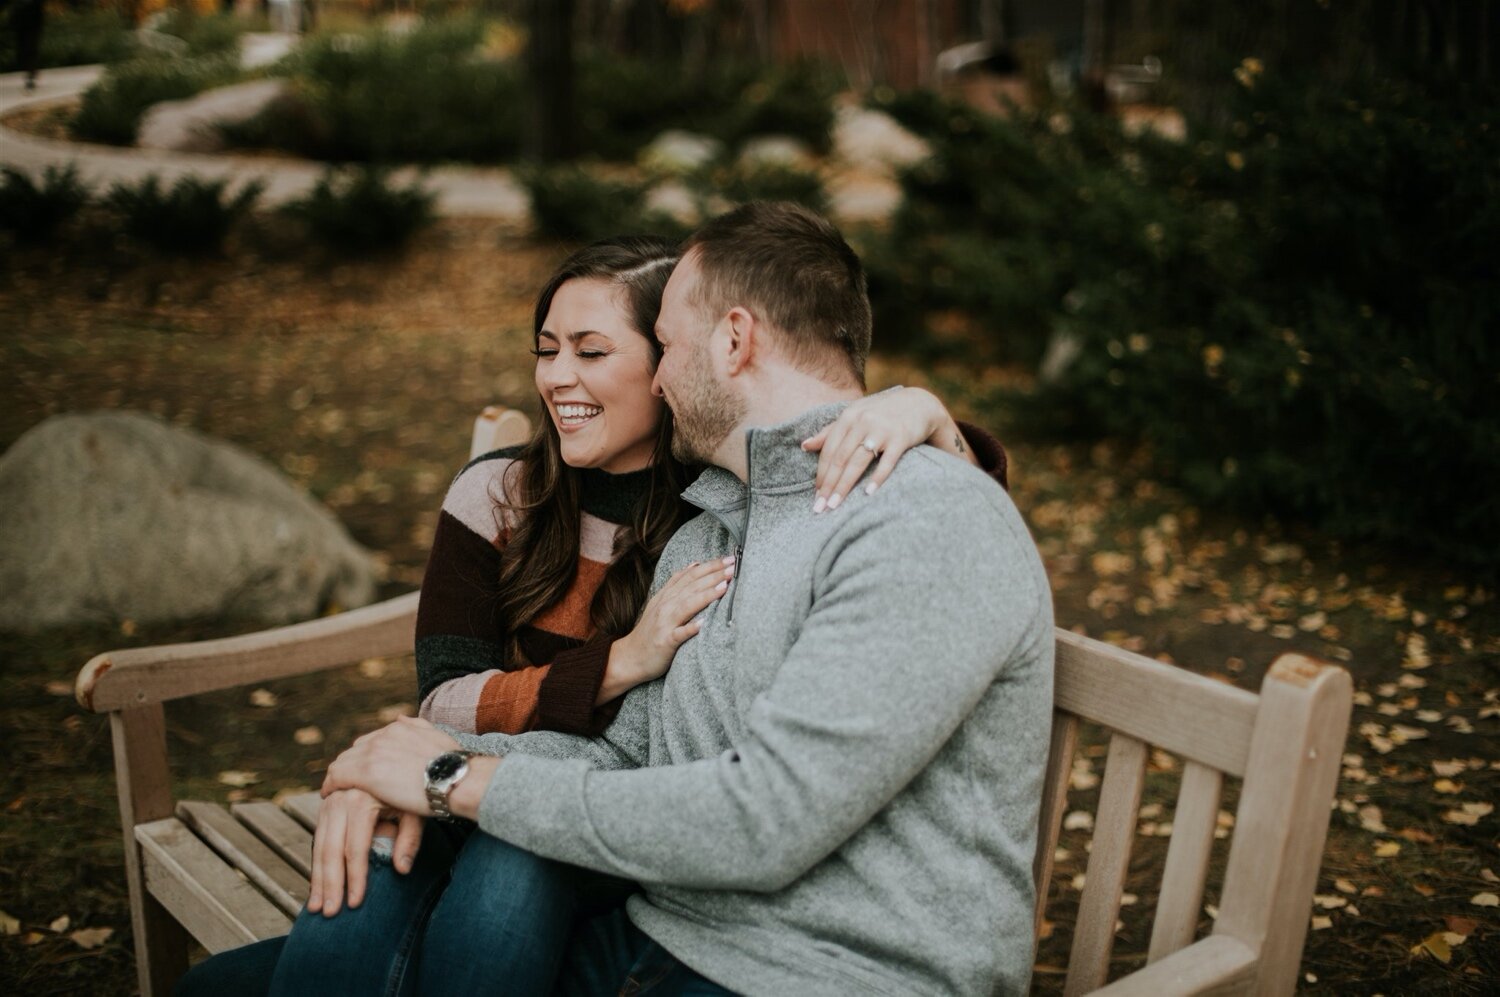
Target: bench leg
(141, 777)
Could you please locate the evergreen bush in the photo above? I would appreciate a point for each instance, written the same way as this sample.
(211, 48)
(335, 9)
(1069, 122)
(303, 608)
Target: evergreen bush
(1293, 309)
(359, 211)
(193, 216)
(33, 212)
(113, 107)
(74, 38)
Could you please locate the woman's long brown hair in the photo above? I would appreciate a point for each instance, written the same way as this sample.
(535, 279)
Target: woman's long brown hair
(540, 557)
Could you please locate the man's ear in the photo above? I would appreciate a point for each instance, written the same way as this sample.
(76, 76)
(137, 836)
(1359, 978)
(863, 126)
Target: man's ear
(742, 339)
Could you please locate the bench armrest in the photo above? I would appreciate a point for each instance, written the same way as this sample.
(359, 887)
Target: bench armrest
(1217, 964)
(118, 680)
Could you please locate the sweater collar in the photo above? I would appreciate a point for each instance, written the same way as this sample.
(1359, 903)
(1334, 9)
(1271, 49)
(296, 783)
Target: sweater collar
(612, 497)
(777, 461)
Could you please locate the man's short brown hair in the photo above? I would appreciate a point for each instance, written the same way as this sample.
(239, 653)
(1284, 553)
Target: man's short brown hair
(793, 268)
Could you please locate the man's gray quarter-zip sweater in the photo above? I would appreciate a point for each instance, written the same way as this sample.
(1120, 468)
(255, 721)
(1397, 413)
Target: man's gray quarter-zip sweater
(838, 792)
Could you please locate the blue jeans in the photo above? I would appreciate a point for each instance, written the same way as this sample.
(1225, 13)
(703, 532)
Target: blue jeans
(474, 915)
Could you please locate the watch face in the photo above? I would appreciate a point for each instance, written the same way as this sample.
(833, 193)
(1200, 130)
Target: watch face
(445, 766)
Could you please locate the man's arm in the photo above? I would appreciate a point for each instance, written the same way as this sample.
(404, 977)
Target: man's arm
(914, 617)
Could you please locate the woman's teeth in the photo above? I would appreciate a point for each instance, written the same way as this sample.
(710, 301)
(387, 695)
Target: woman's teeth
(573, 415)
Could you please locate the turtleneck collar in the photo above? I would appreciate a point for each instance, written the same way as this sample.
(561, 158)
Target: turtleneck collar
(776, 459)
(612, 497)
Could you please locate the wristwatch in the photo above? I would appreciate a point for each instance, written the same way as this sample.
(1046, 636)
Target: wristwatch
(443, 773)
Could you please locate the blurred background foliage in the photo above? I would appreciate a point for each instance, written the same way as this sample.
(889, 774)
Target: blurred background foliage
(1258, 239)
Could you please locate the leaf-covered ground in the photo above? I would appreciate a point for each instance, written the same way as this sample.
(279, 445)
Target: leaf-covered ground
(360, 379)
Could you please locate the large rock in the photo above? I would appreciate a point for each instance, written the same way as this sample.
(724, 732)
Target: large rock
(191, 125)
(117, 515)
(677, 152)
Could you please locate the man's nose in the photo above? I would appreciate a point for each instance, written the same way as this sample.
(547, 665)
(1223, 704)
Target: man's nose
(656, 383)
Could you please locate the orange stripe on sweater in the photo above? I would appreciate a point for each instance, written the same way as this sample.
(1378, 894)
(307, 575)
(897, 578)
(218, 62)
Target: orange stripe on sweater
(569, 616)
(507, 704)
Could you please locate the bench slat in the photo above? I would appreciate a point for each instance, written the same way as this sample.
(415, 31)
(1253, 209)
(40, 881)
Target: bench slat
(1172, 708)
(285, 836)
(285, 887)
(1193, 823)
(1054, 802)
(220, 908)
(304, 808)
(1109, 860)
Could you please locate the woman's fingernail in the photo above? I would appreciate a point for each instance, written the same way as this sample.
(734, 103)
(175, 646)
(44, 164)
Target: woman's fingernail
(870, 488)
(722, 586)
(729, 559)
(834, 500)
(820, 504)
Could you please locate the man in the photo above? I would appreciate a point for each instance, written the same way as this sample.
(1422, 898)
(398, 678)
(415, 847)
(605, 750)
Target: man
(835, 788)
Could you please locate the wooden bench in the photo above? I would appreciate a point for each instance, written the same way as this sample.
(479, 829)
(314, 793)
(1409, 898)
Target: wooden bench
(228, 877)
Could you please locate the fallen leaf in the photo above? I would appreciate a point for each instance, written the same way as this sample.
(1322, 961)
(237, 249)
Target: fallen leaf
(1430, 716)
(60, 924)
(1321, 923)
(1078, 881)
(1129, 899)
(1478, 809)
(1488, 876)
(1312, 622)
(1212, 911)
(1448, 786)
(1461, 925)
(1401, 733)
(1423, 889)
(59, 688)
(308, 735)
(1485, 900)
(1370, 819)
(238, 779)
(32, 937)
(394, 712)
(264, 698)
(1435, 946)
(1410, 681)
(1330, 901)
(372, 668)
(9, 925)
(1449, 768)
(1416, 835)
(91, 938)
(1388, 849)
(1416, 653)
(1344, 886)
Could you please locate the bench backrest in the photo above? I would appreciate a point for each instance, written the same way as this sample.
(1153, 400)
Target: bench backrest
(1285, 744)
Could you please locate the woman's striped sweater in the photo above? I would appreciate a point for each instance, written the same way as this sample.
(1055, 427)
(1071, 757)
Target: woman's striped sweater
(462, 676)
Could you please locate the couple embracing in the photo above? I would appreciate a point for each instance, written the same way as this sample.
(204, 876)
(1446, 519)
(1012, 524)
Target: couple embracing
(717, 696)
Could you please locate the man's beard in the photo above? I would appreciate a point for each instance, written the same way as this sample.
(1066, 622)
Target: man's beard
(703, 413)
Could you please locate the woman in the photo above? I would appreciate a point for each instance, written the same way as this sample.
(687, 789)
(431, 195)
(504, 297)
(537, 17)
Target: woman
(534, 614)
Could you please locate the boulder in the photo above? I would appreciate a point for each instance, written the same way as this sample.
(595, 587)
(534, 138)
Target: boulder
(191, 125)
(678, 152)
(776, 150)
(675, 200)
(874, 141)
(118, 516)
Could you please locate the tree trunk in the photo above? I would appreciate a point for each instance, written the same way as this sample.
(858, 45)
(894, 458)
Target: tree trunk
(549, 135)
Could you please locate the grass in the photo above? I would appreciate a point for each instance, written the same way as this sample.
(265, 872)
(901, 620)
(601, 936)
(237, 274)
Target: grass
(359, 379)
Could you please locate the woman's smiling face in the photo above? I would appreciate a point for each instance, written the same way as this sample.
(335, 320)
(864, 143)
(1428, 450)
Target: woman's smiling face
(593, 371)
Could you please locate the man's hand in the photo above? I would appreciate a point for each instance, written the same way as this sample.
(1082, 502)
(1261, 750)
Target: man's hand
(347, 823)
(390, 764)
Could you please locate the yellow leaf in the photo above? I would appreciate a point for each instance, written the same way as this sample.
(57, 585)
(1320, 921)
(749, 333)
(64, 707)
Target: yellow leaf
(1078, 820)
(1388, 849)
(372, 668)
(1488, 876)
(1435, 946)
(59, 688)
(1371, 820)
(1447, 786)
(1449, 768)
(1485, 900)
(1321, 923)
(264, 698)
(61, 924)
(1478, 809)
(1416, 653)
(308, 735)
(9, 925)
(1344, 886)
(238, 779)
(1330, 901)
(91, 938)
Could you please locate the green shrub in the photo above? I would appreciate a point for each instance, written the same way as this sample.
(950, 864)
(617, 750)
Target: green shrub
(33, 213)
(423, 97)
(194, 216)
(576, 204)
(113, 107)
(1293, 308)
(359, 211)
(205, 34)
(74, 38)
(581, 204)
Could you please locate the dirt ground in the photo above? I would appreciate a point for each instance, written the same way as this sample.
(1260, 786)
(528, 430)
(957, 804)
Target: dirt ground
(359, 380)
